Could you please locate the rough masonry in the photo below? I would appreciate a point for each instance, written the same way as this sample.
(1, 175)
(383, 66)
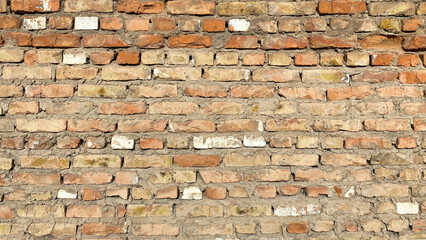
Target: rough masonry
(182, 119)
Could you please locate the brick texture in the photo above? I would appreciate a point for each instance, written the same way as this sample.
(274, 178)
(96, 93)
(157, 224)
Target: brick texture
(212, 119)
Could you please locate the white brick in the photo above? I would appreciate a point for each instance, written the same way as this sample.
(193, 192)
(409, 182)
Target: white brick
(192, 193)
(86, 23)
(62, 194)
(74, 57)
(254, 141)
(122, 142)
(293, 211)
(239, 25)
(216, 142)
(34, 23)
(407, 208)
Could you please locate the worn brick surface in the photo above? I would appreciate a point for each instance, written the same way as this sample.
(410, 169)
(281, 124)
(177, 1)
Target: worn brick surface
(212, 119)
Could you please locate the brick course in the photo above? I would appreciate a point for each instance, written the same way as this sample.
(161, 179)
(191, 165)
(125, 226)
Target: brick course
(206, 119)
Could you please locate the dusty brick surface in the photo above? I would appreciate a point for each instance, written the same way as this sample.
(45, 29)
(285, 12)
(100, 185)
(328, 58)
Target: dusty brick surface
(212, 119)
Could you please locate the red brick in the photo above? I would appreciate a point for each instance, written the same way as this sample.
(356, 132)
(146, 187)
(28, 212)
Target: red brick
(151, 143)
(320, 41)
(68, 142)
(392, 125)
(297, 227)
(192, 160)
(265, 191)
(88, 178)
(163, 24)
(36, 179)
(111, 23)
(341, 7)
(408, 60)
(129, 58)
(315, 25)
(241, 42)
(316, 191)
(150, 41)
(368, 143)
(50, 91)
(415, 43)
(12, 143)
(289, 190)
(84, 211)
(376, 77)
(215, 193)
(189, 41)
(137, 24)
(306, 59)
(358, 93)
(139, 6)
(412, 24)
(406, 142)
(102, 58)
(9, 22)
(413, 77)
(60, 22)
(20, 39)
(91, 194)
(170, 192)
(56, 41)
(194, 126)
(6, 212)
(289, 42)
(128, 178)
(106, 41)
(87, 125)
(382, 59)
(34, 5)
(213, 25)
(381, 42)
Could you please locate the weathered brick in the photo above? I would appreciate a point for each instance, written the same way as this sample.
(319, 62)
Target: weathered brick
(288, 42)
(292, 8)
(34, 6)
(56, 41)
(381, 42)
(29, 73)
(124, 73)
(107, 91)
(241, 8)
(341, 7)
(276, 75)
(191, 7)
(241, 42)
(189, 41)
(88, 6)
(156, 230)
(106, 41)
(88, 125)
(150, 41)
(103, 229)
(395, 9)
(40, 125)
(86, 161)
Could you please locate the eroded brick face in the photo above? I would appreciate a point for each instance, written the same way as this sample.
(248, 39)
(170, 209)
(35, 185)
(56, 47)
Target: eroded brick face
(212, 119)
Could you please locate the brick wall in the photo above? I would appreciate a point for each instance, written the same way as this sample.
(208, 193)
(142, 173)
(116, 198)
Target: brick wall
(220, 119)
